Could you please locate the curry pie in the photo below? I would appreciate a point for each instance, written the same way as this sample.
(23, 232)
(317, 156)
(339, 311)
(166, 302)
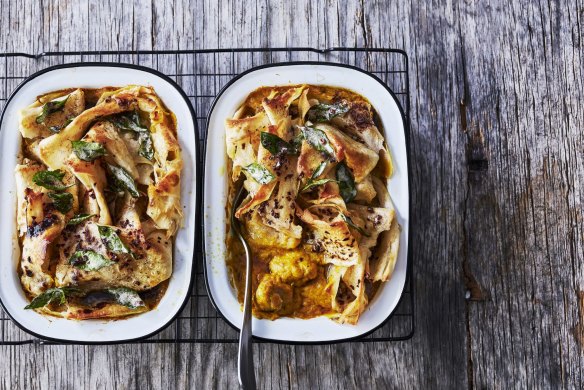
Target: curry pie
(98, 193)
(318, 215)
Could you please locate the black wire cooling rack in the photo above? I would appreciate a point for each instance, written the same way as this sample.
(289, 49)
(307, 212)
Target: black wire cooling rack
(202, 74)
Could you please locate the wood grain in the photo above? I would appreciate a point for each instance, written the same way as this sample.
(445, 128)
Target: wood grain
(497, 178)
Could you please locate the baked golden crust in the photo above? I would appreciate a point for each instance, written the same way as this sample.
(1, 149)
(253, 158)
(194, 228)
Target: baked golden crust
(104, 223)
(322, 228)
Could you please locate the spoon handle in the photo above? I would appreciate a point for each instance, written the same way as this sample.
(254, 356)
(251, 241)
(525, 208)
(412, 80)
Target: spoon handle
(245, 362)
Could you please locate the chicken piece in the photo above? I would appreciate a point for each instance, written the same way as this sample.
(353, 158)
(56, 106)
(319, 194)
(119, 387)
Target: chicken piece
(273, 295)
(293, 267)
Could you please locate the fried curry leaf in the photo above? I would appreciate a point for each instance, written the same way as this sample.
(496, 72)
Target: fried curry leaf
(296, 142)
(276, 145)
(88, 151)
(146, 149)
(51, 107)
(318, 140)
(63, 201)
(57, 295)
(325, 112)
(259, 173)
(126, 297)
(130, 122)
(318, 171)
(112, 240)
(79, 218)
(52, 180)
(57, 129)
(122, 180)
(313, 182)
(346, 183)
(350, 222)
(88, 260)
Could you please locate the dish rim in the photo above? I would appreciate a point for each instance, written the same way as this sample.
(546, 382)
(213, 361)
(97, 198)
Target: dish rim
(406, 124)
(196, 206)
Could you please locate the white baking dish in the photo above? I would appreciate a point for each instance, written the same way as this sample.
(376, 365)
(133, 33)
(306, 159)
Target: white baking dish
(11, 294)
(317, 330)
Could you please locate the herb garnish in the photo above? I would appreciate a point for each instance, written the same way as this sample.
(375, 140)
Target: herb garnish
(88, 260)
(51, 107)
(146, 149)
(88, 151)
(346, 183)
(130, 122)
(259, 173)
(126, 297)
(318, 140)
(58, 295)
(79, 218)
(112, 240)
(325, 112)
(276, 145)
(51, 180)
(350, 222)
(122, 180)
(57, 129)
(296, 142)
(313, 182)
(63, 201)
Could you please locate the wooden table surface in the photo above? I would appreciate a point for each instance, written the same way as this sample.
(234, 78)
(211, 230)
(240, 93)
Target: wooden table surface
(498, 175)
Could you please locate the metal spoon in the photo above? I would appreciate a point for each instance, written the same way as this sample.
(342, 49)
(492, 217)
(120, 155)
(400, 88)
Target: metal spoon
(245, 359)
